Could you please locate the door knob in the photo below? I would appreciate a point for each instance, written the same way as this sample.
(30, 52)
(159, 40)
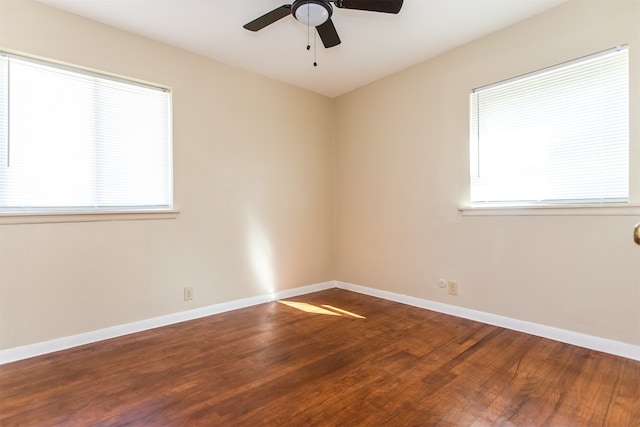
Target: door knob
(636, 234)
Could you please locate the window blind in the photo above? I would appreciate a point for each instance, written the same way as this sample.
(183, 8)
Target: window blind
(555, 136)
(72, 140)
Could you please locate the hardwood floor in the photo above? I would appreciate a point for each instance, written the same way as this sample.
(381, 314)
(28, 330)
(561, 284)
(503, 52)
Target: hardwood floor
(324, 359)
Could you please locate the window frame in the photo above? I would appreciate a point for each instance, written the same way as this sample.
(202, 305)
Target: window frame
(597, 208)
(64, 214)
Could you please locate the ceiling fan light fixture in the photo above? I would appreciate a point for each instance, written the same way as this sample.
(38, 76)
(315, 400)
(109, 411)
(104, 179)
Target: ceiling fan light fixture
(317, 13)
(312, 13)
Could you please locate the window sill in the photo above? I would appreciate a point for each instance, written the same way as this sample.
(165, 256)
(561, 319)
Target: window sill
(626, 210)
(50, 218)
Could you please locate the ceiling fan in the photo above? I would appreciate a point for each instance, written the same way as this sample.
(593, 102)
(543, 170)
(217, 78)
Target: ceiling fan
(317, 13)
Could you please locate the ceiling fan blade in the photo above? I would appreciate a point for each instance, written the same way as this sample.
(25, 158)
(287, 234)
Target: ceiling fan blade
(269, 18)
(328, 34)
(386, 6)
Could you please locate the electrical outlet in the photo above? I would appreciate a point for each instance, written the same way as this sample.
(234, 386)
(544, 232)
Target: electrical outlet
(452, 286)
(188, 293)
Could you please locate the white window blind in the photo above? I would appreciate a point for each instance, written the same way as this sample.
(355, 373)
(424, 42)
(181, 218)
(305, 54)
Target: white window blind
(72, 140)
(556, 136)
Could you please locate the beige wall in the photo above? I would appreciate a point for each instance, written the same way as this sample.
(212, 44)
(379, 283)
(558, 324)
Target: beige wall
(253, 183)
(256, 192)
(402, 173)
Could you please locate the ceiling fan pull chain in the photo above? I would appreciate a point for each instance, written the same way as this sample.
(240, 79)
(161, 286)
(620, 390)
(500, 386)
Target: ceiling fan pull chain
(315, 64)
(308, 30)
(315, 38)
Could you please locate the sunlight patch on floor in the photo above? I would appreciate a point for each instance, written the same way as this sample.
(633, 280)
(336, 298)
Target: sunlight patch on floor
(344, 312)
(322, 309)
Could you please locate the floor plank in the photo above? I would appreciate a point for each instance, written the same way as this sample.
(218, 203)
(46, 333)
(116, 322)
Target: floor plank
(328, 358)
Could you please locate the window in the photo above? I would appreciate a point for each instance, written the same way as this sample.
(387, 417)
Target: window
(78, 141)
(555, 136)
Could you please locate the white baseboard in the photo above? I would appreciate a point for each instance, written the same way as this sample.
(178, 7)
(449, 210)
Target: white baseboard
(605, 345)
(37, 349)
(582, 340)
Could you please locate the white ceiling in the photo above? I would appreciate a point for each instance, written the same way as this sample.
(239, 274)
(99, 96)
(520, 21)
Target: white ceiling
(373, 44)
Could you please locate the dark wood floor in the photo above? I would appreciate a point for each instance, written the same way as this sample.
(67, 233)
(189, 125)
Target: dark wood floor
(332, 358)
